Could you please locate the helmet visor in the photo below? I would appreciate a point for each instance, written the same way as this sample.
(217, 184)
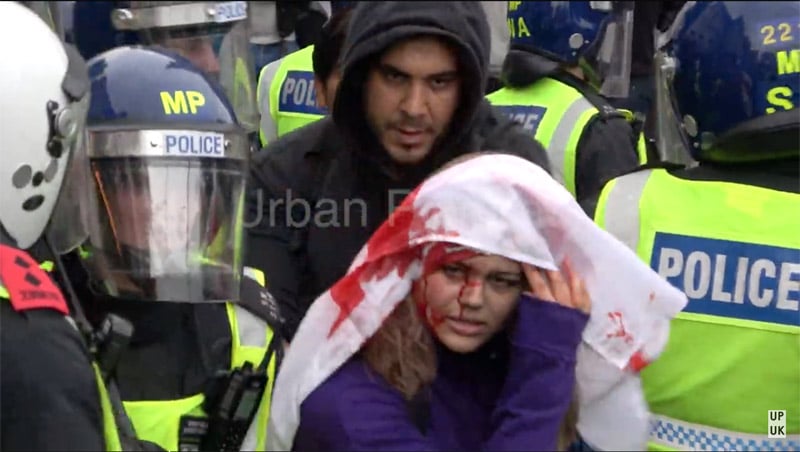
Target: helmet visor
(67, 228)
(670, 139)
(167, 228)
(614, 51)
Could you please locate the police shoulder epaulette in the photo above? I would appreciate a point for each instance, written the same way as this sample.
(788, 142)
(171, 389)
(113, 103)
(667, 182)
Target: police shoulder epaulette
(260, 302)
(28, 286)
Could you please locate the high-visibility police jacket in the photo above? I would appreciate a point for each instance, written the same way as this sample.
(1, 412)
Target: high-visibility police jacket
(110, 431)
(734, 352)
(557, 115)
(286, 96)
(159, 421)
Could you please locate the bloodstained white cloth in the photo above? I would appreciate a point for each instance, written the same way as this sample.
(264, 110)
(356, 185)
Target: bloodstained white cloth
(503, 205)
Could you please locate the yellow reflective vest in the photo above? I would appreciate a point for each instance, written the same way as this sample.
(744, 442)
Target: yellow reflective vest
(159, 421)
(734, 352)
(286, 96)
(556, 114)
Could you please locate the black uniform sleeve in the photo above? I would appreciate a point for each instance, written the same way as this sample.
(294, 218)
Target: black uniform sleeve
(605, 151)
(49, 394)
(276, 244)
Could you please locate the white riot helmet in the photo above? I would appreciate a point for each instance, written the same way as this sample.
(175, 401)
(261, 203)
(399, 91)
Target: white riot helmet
(43, 108)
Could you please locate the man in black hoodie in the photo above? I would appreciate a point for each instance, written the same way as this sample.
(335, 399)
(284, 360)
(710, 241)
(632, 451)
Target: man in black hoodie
(410, 100)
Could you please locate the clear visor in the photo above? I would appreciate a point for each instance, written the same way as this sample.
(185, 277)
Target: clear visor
(614, 52)
(218, 44)
(167, 228)
(672, 147)
(68, 229)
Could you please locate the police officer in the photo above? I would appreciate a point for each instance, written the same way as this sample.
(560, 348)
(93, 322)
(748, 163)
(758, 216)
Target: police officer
(51, 399)
(299, 88)
(279, 28)
(560, 53)
(214, 36)
(725, 231)
(164, 206)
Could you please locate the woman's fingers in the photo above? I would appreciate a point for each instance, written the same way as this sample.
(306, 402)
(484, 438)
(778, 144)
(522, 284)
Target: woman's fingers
(539, 286)
(559, 288)
(584, 301)
(564, 287)
(580, 296)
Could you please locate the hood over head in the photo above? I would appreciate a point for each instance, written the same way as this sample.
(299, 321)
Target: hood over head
(374, 28)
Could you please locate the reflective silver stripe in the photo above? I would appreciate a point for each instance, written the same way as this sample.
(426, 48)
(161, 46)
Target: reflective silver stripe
(269, 128)
(622, 208)
(252, 330)
(153, 143)
(557, 149)
(682, 435)
(145, 15)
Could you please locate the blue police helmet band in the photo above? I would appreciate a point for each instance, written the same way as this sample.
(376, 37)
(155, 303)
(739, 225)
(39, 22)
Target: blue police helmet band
(178, 15)
(168, 143)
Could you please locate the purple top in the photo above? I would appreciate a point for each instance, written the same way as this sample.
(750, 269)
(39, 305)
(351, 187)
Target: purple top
(509, 395)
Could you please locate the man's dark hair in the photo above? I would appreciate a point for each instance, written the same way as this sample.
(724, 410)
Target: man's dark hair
(328, 48)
